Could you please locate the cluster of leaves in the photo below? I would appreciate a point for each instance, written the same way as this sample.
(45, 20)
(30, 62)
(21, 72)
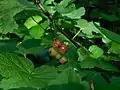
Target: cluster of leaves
(25, 28)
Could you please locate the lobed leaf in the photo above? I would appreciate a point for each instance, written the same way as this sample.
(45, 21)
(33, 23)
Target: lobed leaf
(68, 80)
(8, 10)
(92, 63)
(75, 14)
(20, 72)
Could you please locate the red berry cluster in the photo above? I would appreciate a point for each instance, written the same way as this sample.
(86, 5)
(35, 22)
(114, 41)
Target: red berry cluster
(60, 46)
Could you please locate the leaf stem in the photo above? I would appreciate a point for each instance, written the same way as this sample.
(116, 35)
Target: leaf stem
(76, 34)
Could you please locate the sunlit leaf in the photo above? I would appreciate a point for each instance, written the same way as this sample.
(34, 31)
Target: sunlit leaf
(87, 27)
(64, 3)
(76, 14)
(36, 32)
(96, 51)
(32, 21)
(82, 23)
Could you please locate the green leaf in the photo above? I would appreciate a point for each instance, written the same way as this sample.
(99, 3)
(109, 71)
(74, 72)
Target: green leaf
(65, 10)
(115, 48)
(96, 51)
(91, 63)
(70, 86)
(24, 88)
(115, 83)
(67, 24)
(87, 73)
(47, 2)
(20, 72)
(46, 42)
(28, 5)
(21, 31)
(30, 43)
(49, 7)
(82, 23)
(68, 80)
(82, 54)
(87, 28)
(111, 35)
(72, 54)
(76, 14)
(8, 10)
(108, 17)
(45, 24)
(1, 77)
(99, 82)
(8, 45)
(36, 32)
(27, 37)
(30, 46)
(32, 21)
(64, 3)
(105, 39)
(42, 1)
(12, 65)
(32, 50)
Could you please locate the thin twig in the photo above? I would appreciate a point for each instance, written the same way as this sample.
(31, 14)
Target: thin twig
(52, 20)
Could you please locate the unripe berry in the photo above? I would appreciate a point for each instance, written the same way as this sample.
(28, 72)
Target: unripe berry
(63, 60)
(53, 52)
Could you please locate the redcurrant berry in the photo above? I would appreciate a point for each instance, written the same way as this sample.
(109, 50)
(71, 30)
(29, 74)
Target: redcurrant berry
(57, 43)
(63, 49)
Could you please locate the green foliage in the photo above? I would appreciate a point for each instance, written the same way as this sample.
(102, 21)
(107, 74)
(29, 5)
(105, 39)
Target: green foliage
(62, 7)
(95, 51)
(36, 32)
(20, 72)
(72, 54)
(92, 63)
(8, 10)
(68, 80)
(30, 46)
(111, 35)
(82, 54)
(29, 29)
(8, 45)
(32, 21)
(115, 48)
(109, 17)
(76, 14)
(87, 27)
(115, 83)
